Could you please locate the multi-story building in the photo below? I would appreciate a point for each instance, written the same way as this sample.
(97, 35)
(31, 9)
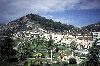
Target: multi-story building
(96, 35)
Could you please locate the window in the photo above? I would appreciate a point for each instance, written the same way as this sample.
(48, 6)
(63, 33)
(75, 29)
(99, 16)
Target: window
(95, 36)
(95, 33)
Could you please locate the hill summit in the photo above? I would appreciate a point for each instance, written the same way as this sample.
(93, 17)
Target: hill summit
(31, 21)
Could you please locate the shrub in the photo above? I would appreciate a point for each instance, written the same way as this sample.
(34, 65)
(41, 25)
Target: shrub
(64, 63)
(72, 61)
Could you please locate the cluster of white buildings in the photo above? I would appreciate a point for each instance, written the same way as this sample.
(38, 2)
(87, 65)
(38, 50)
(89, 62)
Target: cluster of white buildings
(83, 42)
(66, 39)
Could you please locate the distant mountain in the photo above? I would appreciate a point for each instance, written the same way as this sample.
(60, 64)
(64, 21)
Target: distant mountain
(30, 21)
(92, 27)
(1, 24)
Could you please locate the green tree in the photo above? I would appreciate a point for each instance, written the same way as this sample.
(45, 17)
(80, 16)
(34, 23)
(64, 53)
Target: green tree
(93, 55)
(73, 45)
(50, 46)
(6, 48)
(39, 43)
(50, 43)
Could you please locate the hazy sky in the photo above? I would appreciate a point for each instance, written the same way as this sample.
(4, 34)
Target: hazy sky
(75, 12)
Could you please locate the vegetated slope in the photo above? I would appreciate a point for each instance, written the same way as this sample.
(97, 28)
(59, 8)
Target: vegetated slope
(92, 28)
(32, 20)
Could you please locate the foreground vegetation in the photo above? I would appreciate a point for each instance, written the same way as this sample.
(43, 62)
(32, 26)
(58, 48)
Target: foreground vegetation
(37, 52)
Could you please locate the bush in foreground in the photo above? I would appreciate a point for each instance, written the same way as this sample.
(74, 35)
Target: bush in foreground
(72, 61)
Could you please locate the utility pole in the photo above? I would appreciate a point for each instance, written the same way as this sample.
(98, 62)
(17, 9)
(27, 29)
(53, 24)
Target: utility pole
(51, 55)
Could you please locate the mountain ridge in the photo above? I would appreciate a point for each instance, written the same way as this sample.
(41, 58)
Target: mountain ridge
(30, 21)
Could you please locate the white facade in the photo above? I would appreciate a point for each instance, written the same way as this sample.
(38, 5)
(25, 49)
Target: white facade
(63, 39)
(96, 35)
(59, 38)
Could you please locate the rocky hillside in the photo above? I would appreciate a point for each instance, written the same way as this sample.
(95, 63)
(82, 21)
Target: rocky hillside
(31, 21)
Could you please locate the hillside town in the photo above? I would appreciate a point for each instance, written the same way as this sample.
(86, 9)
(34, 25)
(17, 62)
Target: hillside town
(33, 40)
(82, 42)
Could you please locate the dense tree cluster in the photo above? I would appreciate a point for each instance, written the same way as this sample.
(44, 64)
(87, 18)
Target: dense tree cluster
(93, 55)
